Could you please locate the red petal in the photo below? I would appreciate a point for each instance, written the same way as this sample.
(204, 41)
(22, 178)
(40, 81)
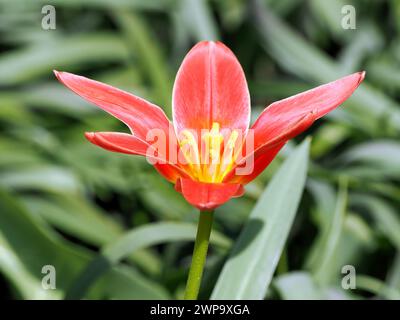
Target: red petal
(239, 192)
(207, 196)
(287, 118)
(268, 151)
(289, 132)
(129, 144)
(169, 172)
(283, 114)
(138, 114)
(210, 86)
(118, 142)
(260, 163)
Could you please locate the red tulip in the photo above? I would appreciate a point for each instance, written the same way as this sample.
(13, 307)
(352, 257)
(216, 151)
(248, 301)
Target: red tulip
(211, 111)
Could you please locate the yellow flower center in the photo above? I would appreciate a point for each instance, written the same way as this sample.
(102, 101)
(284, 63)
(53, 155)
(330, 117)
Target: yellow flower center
(215, 157)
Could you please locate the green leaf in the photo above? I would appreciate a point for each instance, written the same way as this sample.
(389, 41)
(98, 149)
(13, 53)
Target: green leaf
(26, 284)
(367, 40)
(382, 153)
(325, 200)
(297, 286)
(302, 58)
(301, 285)
(133, 4)
(199, 20)
(277, 88)
(249, 269)
(46, 178)
(123, 282)
(148, 52)
(330, 240)
(329, 15)
(393, 278)
(35, 245)
(384, 215)
(327, 138)
(73, 216)
(139, 238)
(377, 287)
(160, 196)
(22, 65)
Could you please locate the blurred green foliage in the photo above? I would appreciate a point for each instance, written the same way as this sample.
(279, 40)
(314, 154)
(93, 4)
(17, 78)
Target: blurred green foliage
(62, 200)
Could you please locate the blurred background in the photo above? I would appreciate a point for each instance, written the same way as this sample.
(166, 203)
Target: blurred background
(63, 199)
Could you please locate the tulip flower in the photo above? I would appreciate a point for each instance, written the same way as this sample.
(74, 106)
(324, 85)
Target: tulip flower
(211, 117)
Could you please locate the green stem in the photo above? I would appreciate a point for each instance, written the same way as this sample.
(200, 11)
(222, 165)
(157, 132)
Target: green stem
(199, 255)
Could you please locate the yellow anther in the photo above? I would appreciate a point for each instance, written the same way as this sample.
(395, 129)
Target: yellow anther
(190, 151)
(229, 156)
(190, 143)
(213, 163)
(214, 128)
(214, 154)
(213, 140)
(232, 139)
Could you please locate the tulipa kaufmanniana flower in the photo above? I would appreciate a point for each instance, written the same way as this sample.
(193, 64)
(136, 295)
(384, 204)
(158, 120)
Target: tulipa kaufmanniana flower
(210, 153)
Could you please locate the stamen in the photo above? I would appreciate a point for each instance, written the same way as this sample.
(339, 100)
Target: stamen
(213, 140)
(229, 157)
(190, 151)
(232, 139)
(208, 166)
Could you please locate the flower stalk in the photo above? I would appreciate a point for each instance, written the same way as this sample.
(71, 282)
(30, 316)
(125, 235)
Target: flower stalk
(199, 255)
